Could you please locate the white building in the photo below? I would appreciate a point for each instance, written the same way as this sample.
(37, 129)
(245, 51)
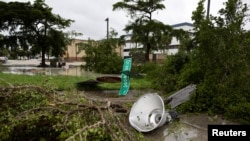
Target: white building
(173, 47)
(130, 45)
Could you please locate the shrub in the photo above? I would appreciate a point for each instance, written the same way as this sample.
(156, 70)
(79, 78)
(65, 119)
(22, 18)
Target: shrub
(101, 57)
(165, 76)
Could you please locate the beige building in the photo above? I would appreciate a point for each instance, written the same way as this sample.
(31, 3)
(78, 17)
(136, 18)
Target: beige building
(72, 53)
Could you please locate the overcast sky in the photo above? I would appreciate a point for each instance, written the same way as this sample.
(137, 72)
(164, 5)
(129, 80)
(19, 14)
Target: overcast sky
(90, 15)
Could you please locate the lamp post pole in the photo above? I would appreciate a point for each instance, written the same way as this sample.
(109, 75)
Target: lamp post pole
(76, 51)
(208, 8)
(107, 20)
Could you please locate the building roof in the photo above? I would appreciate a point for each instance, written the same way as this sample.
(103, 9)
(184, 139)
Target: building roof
(183, 24)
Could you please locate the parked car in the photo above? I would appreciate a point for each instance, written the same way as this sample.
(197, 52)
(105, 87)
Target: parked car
(3, 59)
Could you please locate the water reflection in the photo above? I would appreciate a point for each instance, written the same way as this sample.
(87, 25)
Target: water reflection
(72, 71)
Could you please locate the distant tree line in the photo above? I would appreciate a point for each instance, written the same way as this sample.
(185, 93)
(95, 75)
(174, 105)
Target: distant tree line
(30, 29)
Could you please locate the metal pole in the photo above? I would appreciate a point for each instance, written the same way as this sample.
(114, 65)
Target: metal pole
(107, 20)
(76, 50)
(208, 8)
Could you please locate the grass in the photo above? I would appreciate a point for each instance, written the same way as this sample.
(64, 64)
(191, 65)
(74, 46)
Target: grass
(62, 82)
(52, 107)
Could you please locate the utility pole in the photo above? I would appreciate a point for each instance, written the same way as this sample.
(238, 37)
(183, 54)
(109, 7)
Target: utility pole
(76, 50)
(107, 20)
(208, 9)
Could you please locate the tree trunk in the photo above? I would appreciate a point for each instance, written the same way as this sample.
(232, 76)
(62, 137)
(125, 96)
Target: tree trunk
(148, 47)
(43, 64)
(44, 45)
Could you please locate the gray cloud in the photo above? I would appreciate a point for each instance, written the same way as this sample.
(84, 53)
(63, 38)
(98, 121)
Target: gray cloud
(90, 15)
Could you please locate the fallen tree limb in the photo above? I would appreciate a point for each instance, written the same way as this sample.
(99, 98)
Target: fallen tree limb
(105, 112)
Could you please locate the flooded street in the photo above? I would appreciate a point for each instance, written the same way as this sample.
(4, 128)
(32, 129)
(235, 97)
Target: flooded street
(29, 67)
(72, 71)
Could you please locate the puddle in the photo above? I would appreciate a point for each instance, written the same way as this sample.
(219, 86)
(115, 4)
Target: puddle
(182, 133)
(29, 70)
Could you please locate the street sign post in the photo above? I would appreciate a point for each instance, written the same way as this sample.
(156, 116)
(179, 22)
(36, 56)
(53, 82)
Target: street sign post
(125, 79)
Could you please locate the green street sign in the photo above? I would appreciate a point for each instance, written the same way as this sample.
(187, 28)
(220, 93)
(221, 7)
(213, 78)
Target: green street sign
(124, 77)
